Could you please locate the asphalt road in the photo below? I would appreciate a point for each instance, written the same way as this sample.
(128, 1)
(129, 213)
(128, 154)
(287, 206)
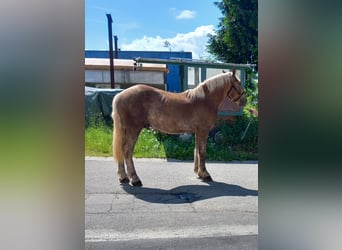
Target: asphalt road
(173, 209)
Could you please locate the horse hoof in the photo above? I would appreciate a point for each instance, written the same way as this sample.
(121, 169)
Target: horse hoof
(206, 179)
(124, 180)
(137, 184)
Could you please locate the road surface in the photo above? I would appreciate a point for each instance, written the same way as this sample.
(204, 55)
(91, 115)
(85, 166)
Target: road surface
(173, 209)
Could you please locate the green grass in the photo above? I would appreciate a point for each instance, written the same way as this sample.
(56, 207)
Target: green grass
(98, 141)
(152, 144)
(148, 146)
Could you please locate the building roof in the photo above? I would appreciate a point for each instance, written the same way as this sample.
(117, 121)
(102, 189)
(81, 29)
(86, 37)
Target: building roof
(122, 64)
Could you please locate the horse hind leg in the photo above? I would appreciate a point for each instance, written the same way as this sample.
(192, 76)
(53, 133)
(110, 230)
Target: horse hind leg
(128, 152)
(118, 142)
(122, 173)
(196, 160)
(135, 180)
(200, 155)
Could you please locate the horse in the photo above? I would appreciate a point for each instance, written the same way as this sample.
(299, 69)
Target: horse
(192, 111)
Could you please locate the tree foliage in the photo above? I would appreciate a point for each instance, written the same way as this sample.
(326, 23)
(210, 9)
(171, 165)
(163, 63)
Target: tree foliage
(236, 39)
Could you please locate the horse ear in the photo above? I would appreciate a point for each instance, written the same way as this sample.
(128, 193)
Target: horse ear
(233, 71)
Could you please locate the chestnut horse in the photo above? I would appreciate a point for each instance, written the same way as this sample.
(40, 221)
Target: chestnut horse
(192, 111)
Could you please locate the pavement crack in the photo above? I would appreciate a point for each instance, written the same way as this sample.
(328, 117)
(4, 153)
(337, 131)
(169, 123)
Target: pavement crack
(111, 204)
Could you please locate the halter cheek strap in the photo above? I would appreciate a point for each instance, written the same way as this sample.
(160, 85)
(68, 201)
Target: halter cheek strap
(239, 96)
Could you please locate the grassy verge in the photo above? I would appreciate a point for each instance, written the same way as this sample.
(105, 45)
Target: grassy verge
(98, 141)
(152, 144)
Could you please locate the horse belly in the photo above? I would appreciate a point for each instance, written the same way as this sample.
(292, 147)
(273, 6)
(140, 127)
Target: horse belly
(171, 123)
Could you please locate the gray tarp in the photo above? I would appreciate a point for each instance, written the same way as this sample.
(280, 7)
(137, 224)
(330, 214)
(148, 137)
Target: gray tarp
(98, 104)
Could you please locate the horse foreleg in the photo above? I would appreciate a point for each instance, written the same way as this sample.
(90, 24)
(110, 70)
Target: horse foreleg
(200, 155)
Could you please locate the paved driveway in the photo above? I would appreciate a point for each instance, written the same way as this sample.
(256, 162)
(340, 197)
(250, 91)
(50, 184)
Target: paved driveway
(173, 209)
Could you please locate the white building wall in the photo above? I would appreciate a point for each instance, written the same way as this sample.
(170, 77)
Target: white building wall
(124, 76)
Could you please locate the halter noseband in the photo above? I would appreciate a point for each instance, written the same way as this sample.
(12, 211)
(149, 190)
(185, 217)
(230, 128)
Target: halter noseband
(230, 89)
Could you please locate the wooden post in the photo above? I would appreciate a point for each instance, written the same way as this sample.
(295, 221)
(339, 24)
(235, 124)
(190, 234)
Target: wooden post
(196, 77)
(203, 74)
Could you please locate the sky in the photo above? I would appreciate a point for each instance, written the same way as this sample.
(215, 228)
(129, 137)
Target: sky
(147, 24)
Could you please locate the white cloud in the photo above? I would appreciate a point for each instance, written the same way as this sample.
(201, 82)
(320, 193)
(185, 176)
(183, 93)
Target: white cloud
(186, 14)
(194, 41)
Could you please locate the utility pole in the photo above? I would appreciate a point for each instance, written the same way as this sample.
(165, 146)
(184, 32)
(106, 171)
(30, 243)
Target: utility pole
(116, 47)
(111, 60)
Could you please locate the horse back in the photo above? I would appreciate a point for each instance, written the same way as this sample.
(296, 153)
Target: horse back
(165, 111)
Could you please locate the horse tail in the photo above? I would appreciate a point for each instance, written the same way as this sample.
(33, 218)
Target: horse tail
(118, 136)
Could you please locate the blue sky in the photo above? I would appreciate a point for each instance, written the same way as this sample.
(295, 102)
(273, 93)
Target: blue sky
(146, 24)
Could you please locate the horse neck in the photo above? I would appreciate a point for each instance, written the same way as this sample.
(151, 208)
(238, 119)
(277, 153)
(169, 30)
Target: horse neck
(216, 95)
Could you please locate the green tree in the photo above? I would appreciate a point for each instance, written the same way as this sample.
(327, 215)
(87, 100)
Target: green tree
(236, 39)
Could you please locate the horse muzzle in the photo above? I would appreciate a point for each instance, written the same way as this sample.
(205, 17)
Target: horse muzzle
(243, 100)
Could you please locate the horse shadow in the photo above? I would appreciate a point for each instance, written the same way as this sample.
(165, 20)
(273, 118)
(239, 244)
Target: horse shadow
(187, 193)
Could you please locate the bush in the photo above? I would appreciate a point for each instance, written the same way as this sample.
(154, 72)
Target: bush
(243, 135)
(229, 146)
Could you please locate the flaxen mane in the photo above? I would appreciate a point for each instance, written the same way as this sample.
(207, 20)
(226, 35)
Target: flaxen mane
(210, 85)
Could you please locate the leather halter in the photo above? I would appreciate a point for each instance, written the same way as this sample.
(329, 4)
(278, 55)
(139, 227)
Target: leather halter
(230, 89)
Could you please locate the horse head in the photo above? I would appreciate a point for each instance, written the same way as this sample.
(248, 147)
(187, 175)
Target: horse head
(235, 91)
